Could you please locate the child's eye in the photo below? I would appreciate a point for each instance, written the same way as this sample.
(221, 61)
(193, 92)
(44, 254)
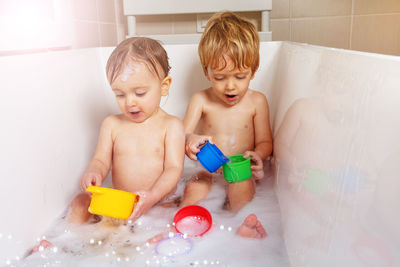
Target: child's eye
(218, 78)
(140, 93)
(119, 95)
(241, 77)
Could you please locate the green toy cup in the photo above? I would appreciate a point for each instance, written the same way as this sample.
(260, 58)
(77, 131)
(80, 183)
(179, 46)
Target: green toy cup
(238, 169)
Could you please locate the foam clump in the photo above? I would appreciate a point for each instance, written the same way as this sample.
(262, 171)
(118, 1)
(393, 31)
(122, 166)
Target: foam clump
(193, 225)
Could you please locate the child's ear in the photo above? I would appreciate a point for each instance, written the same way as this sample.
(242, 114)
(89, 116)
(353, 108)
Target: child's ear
(165, 84)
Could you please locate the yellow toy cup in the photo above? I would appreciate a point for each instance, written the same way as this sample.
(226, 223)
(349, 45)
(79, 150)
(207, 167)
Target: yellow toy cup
(111, 202)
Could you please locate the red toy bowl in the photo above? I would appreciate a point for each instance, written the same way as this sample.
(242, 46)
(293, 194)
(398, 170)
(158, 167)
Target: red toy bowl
(193, 220)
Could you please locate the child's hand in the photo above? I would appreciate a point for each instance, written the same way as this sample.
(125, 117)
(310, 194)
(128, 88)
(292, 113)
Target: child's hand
(193, 144)
(89, 179)
(258, 167)
(147, 199)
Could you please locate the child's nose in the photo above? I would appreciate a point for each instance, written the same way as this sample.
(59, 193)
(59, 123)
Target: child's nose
(130, 100)
(230, 85)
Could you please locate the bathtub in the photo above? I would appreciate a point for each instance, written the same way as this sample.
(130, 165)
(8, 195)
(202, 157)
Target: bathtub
(333, 115)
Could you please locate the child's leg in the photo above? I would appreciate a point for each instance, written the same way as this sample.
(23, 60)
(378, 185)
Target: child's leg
(78, 211)
(197, 189)
(239, 194)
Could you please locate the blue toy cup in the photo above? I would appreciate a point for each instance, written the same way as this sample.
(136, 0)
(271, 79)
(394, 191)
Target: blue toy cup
(211, 157)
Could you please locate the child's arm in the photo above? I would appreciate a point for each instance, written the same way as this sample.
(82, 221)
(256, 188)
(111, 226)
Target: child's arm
(100, 164)
(262, 135)
(192, 117)
(173, 166)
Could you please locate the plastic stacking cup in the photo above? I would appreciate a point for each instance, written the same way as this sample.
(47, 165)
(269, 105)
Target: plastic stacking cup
(111, 202)
(211, 157)
(193, 221)
(238, 169)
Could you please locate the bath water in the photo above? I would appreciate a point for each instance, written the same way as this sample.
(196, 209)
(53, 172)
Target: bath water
(118, 243)
(174, 246)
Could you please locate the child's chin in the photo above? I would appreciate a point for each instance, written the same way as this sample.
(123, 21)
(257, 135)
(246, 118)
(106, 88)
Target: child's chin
(136, 117)
(231, 101)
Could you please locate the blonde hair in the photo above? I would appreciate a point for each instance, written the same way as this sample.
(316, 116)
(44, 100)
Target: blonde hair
(229, 34)
(146, 50)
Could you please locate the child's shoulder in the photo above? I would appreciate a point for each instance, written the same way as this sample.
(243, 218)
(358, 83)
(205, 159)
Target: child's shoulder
(257, 97)
(201, 97)
(171, 122)
(169, 118)
(113, 119)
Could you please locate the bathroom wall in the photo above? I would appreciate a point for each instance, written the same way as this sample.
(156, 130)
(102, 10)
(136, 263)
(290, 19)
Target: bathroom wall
(364, 25)
(43, 25)
(97, 23)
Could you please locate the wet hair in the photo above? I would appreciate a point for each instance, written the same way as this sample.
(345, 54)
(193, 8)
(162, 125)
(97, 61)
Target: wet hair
(229, 34)
(139, 49)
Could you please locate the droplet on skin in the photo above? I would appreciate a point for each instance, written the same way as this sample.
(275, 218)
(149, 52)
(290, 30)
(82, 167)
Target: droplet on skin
(232, 140)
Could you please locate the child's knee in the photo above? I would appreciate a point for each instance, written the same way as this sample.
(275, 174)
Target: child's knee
(81, 200)
(78, 212)
(241, 192)
(201, 180)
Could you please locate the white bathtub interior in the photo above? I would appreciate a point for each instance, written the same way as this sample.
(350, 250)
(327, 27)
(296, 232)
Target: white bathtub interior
(333, 114)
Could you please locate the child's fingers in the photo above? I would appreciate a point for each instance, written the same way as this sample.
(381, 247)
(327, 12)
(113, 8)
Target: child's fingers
(256, 167)
(192, 156)
(202, 141)
(258, 174)
(254, 158)
(246, 154)
(191, 151)
(137, 212)
(209, 139)
(84, 185)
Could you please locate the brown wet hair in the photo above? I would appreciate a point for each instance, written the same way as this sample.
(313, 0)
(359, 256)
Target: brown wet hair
(139, 49)
(229, 34)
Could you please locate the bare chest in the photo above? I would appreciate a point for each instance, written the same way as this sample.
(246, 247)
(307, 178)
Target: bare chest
(232, 129)
(145, 145)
